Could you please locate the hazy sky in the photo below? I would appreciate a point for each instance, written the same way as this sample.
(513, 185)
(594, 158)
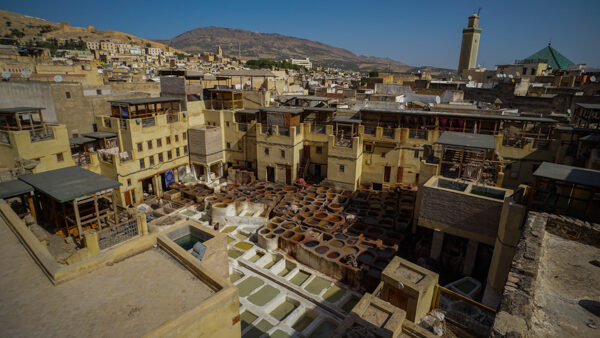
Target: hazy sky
(415, 32)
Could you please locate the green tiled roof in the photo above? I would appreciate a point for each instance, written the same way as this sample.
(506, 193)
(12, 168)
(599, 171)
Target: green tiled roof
(553, 57)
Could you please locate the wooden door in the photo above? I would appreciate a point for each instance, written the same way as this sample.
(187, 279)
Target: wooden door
(399, 175)
(288, 175)
(306, 152)
(386, 174)
(128, 198)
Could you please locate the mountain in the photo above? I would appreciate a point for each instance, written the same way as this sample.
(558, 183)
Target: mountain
(253, 45)
(25, 27)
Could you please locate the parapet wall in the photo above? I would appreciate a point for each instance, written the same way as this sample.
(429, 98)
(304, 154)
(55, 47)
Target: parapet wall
(516, 308)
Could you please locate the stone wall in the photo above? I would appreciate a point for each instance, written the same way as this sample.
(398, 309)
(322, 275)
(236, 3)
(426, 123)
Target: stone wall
(516, 308)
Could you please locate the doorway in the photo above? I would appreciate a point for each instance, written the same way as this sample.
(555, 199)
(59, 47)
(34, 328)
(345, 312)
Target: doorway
(270, 174)
(128, 198)
(399, 175)
(386, 174)
(288, 175)
(318, 170)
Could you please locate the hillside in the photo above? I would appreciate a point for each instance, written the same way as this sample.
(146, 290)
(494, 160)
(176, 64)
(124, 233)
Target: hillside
(25, 27)
(252, 45)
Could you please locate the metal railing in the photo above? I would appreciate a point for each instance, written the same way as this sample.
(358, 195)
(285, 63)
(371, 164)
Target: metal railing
(148, 122)
(370, 131)
(284, 131)
(417, 133)
(123, 124)
(465, 312)
(107, 122)
(82, 159)
(388, 133)
(114, 235)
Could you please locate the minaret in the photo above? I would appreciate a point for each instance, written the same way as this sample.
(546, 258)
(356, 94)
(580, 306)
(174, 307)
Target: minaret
(219, 51)
(470, 44)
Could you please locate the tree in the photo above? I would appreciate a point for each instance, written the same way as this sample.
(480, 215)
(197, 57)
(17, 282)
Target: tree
(363, 81)
(374, 73)
(8, 23)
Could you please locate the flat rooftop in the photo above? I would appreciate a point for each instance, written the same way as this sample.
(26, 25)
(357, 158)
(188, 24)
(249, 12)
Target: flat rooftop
(467, 140)
(131, 297)
(144, 100)
(569, 174)
(566, 284)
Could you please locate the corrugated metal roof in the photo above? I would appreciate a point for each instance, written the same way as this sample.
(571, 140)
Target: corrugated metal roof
(457, 115)
(14, 188)
(565, 173)
(80, 140)
(589, 105)
(481, 141)
(69, 183)
(98, 135)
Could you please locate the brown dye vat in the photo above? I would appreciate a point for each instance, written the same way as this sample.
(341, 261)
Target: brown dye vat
(333, 255)
(322, 249)
(265, 231)
(278, 231)
(350, 250)
(311, 244)
(365, 258)
(270, 236)
(320, 215)
(298, 238)
(288, 234)
(271, 225)
(327, 237)
(335, 218)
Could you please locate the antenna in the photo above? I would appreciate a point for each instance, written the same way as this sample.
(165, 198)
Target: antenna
(478, 11)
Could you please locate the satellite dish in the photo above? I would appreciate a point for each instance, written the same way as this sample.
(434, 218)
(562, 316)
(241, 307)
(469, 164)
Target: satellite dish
(593, 78)
(26, 73)
(58, 78)
(6, 75)
(510, 76)
(470, 77)
(402, 106)
(437, 100)
(248, 83)
(498, 75)
(285, 89)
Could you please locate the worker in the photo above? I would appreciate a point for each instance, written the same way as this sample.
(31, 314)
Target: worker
(300, 183)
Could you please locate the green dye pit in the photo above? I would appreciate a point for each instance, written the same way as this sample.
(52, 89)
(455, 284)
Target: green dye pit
(299, 278)
(258, 330)
(243, 245)
(229, 239)
(270, 264)
(283, 310)
(248, 285)
(279, 334)
(256, 257)
(234, 253)
(349, 305)
(235, 276)
(264, 295)
(247, 318)
(317, 285)
(228, 229)
(302, 323)
(324, 330)
(186, 242)
(241, 236)
(334, 294)
(284, 272)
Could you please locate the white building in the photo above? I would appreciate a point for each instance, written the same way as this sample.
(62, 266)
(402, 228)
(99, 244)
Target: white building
(302, 62)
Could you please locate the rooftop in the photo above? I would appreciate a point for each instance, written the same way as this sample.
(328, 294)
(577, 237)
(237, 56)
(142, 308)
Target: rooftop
(69, 183)
(457, 115)
(131, 297)
(14, 188)
(19, 109)
(282, 110)
(553, 57)
(594, 106)
(565, 173)
(80, 140)
(451, 138)
(98, 135)
(247, 72)
(144, 100)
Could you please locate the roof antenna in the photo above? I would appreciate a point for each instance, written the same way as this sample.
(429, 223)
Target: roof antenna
(550, 42)
(478, 10)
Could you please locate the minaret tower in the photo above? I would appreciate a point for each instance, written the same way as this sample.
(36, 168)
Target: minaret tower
(470, 44)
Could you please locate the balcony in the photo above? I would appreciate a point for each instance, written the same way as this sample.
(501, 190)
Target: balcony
(317, 129)
(82, 160)
(417, 134)
(39, 135)
(370, 131)
(389, 133)
(172, 118)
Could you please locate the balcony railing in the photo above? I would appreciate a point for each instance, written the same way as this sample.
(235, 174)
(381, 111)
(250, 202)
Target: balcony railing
(417, 133)
(370, 131)
(317, 129)
(172, 118)
(107, 122)
(388, 133)
(148, 122)
(284, 131)
(123, 124)
(41, 135)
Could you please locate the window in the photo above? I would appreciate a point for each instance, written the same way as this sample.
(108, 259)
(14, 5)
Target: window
(177, 152)
(168, 138)
(283, 154)
(68, 95)
(416, 154)
(140, 147)
(185, 150)
(341, 168)
(227, 123)
(60, 157)
(158, 142)
(160, 158)
(176, 138)
(169, 155)
(151, 158)
(319, 150)
(368, 148)
(383, 155)
(184, 136)
(150, 144)
(98, 91)
(266, 151)
(129, 182)
(228, 145)
(142, 164)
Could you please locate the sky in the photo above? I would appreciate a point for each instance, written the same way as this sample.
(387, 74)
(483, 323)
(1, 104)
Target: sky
(418, 33)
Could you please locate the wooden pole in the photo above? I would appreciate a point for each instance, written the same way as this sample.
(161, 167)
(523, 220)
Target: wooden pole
(31, 206)
(97, 212)
(114, 205)
(77, 218)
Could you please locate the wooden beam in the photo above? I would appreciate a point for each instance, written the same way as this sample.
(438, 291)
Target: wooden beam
(96, 210)
(77, 219)
(114, 205)
(31, 206)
